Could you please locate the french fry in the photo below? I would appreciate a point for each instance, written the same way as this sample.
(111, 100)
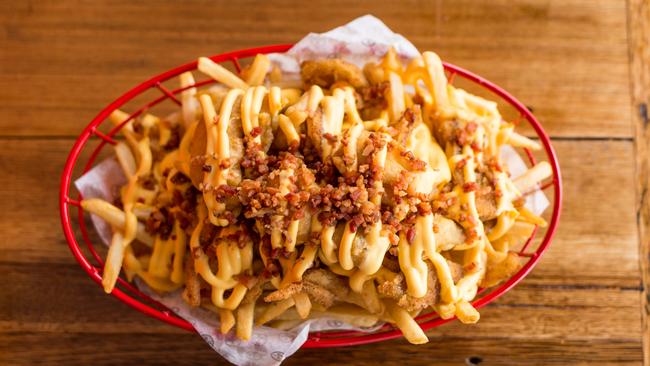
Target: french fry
(466, 313)
(527, 181)
(518, 140)
(245, 321)
(303, 305)
(227, 319)
(114, 216)
(259, 68)
(409, 327)
(113, 262)
(274, 310)
(220, 73)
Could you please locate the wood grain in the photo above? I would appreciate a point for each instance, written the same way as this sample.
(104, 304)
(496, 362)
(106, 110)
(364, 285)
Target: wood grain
(565, 59)
(639, 40)
(586, 302)
(188, 349)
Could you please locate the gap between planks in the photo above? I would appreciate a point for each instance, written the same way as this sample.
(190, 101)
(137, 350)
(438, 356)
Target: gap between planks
(639, 53)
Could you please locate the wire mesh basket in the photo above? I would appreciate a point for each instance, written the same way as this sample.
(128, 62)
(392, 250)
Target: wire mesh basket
(101, 134)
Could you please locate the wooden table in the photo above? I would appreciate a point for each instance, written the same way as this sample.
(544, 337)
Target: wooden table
(582, 65)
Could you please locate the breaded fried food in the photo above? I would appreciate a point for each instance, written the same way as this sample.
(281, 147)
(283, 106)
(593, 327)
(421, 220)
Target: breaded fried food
(324, 287)
(328, 72)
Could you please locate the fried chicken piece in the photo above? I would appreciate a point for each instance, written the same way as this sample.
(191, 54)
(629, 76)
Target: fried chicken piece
(396, 288)
(456, 270)
(254, 292)
(319, 295)
(359, 250)
(374, 73)
(328, 72)
(284, 293)
(486, 204)
(500, 271)
(447, 232)
(324, 287)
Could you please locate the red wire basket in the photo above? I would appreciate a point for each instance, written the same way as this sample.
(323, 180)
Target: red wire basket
(92, 262)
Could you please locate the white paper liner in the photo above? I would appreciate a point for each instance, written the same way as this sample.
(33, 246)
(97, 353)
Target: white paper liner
(362, 40)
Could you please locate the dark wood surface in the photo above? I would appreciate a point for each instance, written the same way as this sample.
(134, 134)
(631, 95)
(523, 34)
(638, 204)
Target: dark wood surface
(573, 62)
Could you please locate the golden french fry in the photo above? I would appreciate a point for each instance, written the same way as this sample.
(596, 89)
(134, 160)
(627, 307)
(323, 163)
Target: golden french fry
(115, 217)
(409, 327)
(113, 262)
(245, 321)
(527, 181)
(258, 70)
(274, 310)
(303, 305)
(227, 319)
(220, 73)
(466, 313)
(518, 140)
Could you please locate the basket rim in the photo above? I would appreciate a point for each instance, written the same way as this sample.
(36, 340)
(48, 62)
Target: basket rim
(316, 339)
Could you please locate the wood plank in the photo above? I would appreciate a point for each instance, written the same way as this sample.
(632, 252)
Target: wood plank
(566, 59)
(189, 349)
(639, 42)
(593, 221)
(76, 304)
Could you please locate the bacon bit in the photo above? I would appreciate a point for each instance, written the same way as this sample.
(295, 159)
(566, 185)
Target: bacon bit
(470, 236)
(471, 127)
(174, 139)
(294, 145)
(470, 187)
(247, 280)
(228, 215)
(160, 222)
(225, 164)
(256, 131)
(494, 165)
(223, 192)
(271, 270)
(393, 251)
(424, 208)
(469, 267)
(475, 146)
(180, 178)
(393, 239)
(206, 168)
(410, 234)
(409, 115)
(368, 149)
(147, 182)
(329, 137)
(415, 163)
(461, 164)
(472, 220)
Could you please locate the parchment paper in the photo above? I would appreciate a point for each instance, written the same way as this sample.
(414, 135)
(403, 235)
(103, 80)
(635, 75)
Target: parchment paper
(362, 40)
